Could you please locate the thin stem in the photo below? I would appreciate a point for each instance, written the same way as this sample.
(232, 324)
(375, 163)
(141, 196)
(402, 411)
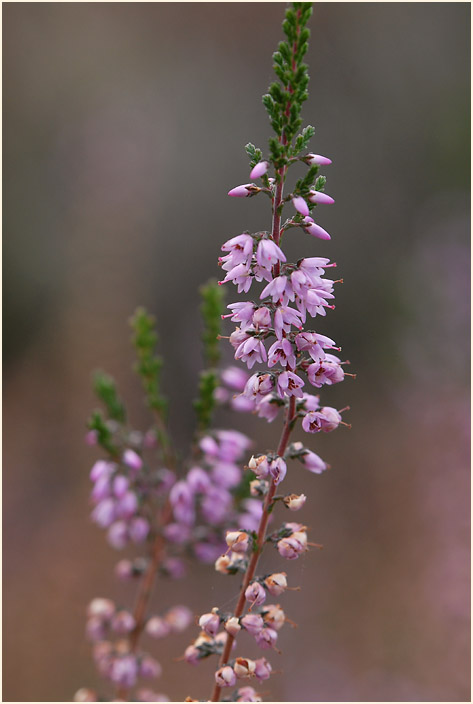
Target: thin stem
(144, 593)
(260, 540)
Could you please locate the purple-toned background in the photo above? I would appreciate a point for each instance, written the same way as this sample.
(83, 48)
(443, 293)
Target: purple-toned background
(124, 127)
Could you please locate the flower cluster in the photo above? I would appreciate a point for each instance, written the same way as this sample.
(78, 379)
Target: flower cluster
(270, 332)
(110, 628)
(210, 506)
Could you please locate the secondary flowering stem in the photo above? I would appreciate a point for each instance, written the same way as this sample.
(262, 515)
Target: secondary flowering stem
(261, 536)
(145, 592)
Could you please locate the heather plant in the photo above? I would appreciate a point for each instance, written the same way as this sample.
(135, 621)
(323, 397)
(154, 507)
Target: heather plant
(210, 506)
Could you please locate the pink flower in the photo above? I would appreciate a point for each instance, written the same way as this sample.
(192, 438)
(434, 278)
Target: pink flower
(234, 377)
(123, 622)
(278, 470)
(275, 288)
(157, 627)
(300, 205)
(237, 541)
(262, 318)
(290, 548)
(311, 422)
(225, 677)
(247, 694)
(259, 384)
(251, 351)
(210, 623)
(242, 312)
(240, 275)
(132, 459)
(268, 253)
(255, 594)
(329, 419)
(327, 371)
(267, 407)
(313, 462)
(276, 583)
(289, 384)
(295, 502)
(314, 344)
(267, 638)
(281, 351)
(253, 623)
(263, 669)
(317, 159)
(259, 169)
(124, 671)
(284, 318)
(319, 197)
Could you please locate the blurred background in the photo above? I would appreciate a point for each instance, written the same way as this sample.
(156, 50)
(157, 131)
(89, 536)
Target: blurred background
(124, 128)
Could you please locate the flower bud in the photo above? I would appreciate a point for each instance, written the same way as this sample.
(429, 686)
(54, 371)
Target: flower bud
(85, 695)
(255, 594)
(150, 668)
(222, 563)
(120, 486)
(123, 622)
(300, 205)
(103, 609)
(247, 694)
(210, 623)
(259, 487)
(95, 629)
(294, 502)
(313, 229)
(124, 671)
(276, 583)
(317, 159)
(232, 626)
(157, 627)
(132, 459)
(259, 169)
(178, 618)
(244, 668)
(319, 197)
(225, 677)
(237, 541)
(192, 655)
(139, 529)
(117, 535)
(248, 189)
(124, 569)
(274, 616)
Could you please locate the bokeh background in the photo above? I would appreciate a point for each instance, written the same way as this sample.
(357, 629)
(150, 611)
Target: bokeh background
(124, 127)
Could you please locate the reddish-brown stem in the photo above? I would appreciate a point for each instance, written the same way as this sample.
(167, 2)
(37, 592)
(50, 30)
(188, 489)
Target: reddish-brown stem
(144, 593)
(288, 425)
(260, 540)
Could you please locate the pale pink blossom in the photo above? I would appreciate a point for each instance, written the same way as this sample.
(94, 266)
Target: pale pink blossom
(289, 384)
